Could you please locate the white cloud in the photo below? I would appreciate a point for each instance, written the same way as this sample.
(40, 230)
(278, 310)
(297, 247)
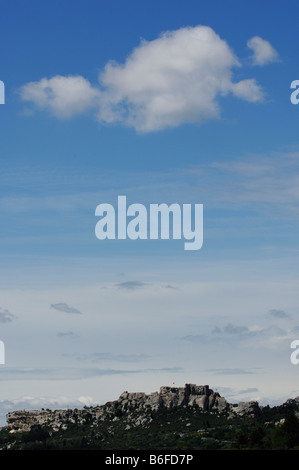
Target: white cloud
(248, 90)
(174, 79)
(64, 97)
(263, 51)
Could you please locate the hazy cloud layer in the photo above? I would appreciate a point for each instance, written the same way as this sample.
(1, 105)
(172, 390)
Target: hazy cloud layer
(255, 179)
(107, 356)
(260, 180)
(255, 335)
(174, 79)
(232, 371)
(73, 373)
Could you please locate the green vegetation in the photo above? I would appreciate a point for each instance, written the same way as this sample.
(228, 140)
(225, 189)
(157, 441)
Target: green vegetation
(186, 428)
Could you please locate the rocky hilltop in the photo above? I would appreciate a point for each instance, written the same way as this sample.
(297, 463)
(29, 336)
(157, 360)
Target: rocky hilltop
(136, 407)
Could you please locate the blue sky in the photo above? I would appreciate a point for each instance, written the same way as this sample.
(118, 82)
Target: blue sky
(167, 101)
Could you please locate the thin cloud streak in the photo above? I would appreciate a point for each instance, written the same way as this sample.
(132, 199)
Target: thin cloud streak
(131, 285)
(69, 373)
(62, 307)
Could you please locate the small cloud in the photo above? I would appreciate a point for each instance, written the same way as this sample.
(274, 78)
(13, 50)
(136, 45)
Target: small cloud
(231, 330)
(278, 313)
(263, 52)
(65, 333)
(130, 285)
(169, 286)
(64, 97)
(216, 331)
(62, 307)
(248, 90)
(194, 338)
(6, 316)
(235, 330)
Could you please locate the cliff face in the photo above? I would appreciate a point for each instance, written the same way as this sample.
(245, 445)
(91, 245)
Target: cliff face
(131, 405)
(170, 397)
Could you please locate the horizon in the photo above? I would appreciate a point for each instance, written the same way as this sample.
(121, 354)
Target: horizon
(3, 421)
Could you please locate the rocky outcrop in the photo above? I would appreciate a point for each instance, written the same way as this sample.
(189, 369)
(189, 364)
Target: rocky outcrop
(26, 420)
(199, 396)
(247, 408)
(169, 397)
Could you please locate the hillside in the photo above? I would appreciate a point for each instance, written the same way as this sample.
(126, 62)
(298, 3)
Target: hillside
(191, 417)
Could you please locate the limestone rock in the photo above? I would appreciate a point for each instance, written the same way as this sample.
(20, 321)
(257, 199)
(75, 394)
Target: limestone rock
(247, 408)
(128, 402)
